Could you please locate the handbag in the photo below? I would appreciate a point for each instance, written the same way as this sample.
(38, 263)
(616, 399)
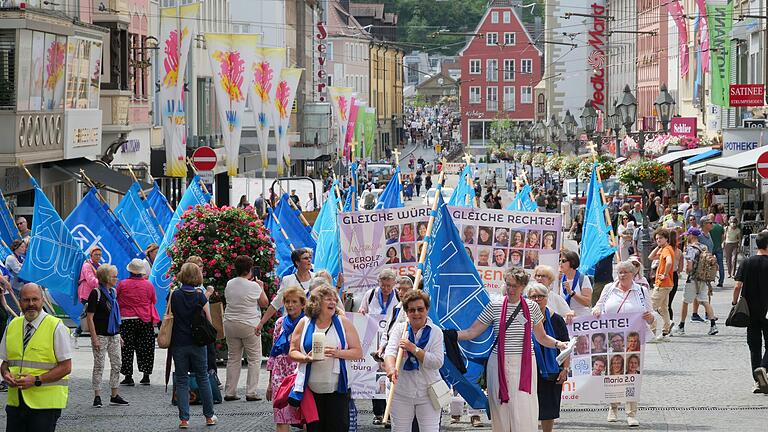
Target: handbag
(203, 332)
(439, 394)
(166, 327)
(739, 314)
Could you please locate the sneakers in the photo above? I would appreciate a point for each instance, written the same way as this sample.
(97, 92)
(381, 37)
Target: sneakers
(756, 389)
(713, 330)
(475, 420)
(377, 420)
(696, 318)
(231, 398)
(632, 421)
(118, 401)
(252, 398)
(678, 331)
(761, 378)
(184, 424)
(128, 381)
(3, 386)
(211, 421)
(613, 413)
(455, 419)
(145, 380)
(97, 402)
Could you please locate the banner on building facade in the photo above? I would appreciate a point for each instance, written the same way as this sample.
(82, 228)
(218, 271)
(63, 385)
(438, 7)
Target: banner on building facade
(176, 32)
(231, 57)
(369, 131)
(341, 100)
(266, 75)
(720, 19)
(494, 239)
(285, 94)
(675, 8)
(367, 378)
(607, 360)
(351, 122)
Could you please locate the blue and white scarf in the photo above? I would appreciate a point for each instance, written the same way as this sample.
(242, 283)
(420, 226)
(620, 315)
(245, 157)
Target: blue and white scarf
(304, 369)
(546, 358)
(283, 342)
(113, 322)
(411, 362)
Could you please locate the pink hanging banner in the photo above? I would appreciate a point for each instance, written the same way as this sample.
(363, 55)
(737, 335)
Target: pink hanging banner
(703, 35)
(676, 11)
(353, 108)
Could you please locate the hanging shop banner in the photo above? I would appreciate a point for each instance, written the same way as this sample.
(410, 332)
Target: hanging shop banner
(675, 8)
(720, 16)
(266, 75)
(351, 122)
(494, 239)
(341, 100)
(367, 377)
(231, 57)
(746, 95)
(176, 32)
(369, 131)
(607, 359)
(284, 97)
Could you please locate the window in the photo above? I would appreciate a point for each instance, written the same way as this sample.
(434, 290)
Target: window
(509, 38)
(492, 99)
(474, 67)
(474, 95)
(329, 51)
(507, 17)
(509, 69)
(526, 95)
(494, 17)
(509, 98)
(492, 70)
(491, 39)
(526, 66)
(83, 73)
(542, 106)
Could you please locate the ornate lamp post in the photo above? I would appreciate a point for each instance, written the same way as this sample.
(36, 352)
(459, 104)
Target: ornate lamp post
(615, 121)
(570, 125)
(540, 135)
(589, 119)
(665, 105)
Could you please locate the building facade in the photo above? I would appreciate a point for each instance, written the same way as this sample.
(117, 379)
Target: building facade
(500, 66)
(652, 55)
(386, 94)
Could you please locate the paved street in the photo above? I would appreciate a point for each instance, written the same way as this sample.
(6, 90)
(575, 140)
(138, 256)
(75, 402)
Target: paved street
(694, 383)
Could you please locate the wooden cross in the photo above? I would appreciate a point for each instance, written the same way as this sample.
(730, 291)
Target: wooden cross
(396, 152)
(524, 175)
(517, 182)
(467, 158)
(592, 147)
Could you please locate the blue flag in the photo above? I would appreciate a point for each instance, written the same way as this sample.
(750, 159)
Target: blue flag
(135, 216)
(522, 201)
(458, 296)
(595, 240)
(391, 196)
(464, 194)
(8, 229)
(350, 203)
(91, 225)
(54, 258)
(159, 204)
(326, 229)
(193, 196)
(299, 235)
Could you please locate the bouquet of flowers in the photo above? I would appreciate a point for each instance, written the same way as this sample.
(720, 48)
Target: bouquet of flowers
(639, 175)
(553, 164)
(526, 157)
(218, 236)
(539, 160)
(569, 166)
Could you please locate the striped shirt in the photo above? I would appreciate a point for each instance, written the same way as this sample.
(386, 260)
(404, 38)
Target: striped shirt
(516, 330)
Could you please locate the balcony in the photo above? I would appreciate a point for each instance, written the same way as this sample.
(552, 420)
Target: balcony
(312, 152)
(35, 137)
(110, 11)
(115, 104)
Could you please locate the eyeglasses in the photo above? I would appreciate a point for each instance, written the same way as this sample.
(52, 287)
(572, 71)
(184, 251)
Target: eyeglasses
(415, 310)
(563, 260)
(539, 276)
(537, 297)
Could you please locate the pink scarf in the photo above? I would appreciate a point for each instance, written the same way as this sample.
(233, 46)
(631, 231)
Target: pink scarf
(525, 366)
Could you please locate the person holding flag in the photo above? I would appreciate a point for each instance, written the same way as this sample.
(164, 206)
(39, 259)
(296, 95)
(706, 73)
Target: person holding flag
(14, 262)
(511, 369)
(88, 281)
(302, 260)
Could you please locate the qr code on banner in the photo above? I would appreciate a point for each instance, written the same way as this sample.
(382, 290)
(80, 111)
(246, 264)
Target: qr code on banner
(629, 392)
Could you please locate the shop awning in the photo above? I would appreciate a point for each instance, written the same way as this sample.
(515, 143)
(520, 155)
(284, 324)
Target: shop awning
(104, 177)
(735, 166)
(696, 168)
(681, 155)
(703, 156)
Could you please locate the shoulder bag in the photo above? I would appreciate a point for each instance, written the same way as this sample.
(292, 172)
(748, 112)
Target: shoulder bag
(203, 332)
(496, 341)
(739, 314)
(166, 327)
(439, 393)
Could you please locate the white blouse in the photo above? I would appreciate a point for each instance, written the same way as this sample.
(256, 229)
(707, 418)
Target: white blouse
(413, 384)
(615, 300)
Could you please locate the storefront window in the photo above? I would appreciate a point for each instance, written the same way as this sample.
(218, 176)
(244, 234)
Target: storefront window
(475, 133)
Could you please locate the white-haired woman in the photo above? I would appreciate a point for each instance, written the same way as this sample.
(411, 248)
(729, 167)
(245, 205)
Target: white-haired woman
(551, 376)
(103, 316)
(545, 275)
(624, 296)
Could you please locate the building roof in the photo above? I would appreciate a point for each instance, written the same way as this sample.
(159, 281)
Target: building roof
(485, 17)
(447, 81)
(338, 19)
(373, 10)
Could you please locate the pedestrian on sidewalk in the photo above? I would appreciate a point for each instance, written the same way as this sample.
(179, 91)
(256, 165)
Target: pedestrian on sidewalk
(624, 297)
(663, 282)
(695, 289)
(716, 233)
(731, 247)
(751, 284)
(136, 298)
(245, 296)
(103, 317)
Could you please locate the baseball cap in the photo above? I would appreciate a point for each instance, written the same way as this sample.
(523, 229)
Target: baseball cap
(693, 231)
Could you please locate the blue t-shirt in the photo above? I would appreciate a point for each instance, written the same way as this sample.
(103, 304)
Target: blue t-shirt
(184, 304)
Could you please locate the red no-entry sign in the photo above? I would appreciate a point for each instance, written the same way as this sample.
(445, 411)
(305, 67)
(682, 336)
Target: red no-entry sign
(204, 159)
(762, 165)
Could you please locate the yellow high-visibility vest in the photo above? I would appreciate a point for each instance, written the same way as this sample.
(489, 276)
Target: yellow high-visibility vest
(36, 359)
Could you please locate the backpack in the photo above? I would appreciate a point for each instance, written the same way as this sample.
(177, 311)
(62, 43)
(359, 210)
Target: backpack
(705, 267)
(203, 332)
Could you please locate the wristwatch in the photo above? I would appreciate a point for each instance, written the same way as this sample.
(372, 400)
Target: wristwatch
(38, 382)
(417, 350)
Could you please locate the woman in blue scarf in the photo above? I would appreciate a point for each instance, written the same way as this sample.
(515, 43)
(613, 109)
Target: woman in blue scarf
(279, 364)
(551, 377)
(103, 317)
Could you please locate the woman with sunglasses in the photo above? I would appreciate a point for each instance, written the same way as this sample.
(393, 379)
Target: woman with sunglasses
(551, 376)
(545, 275)
(625, 231)
(575, 287)
(423, 353)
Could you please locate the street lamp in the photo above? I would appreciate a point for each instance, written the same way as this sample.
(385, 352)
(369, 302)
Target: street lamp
(627, 111)
(570, 125)
(615, 120)
(589, 118)
(540, 135)
(665, 105)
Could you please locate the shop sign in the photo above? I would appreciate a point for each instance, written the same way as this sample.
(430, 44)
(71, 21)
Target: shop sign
(683, 126)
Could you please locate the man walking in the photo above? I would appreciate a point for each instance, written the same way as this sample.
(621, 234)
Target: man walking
(716, 232)
(37, 360)
(664, 282)
(695, 289)
(751, 284)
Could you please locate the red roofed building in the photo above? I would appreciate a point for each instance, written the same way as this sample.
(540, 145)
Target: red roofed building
(500, 67)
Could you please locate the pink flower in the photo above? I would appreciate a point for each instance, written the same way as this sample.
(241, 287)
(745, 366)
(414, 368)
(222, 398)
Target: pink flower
(212, 262)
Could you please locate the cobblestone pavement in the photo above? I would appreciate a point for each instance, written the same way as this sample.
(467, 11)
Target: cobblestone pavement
(693, 383)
